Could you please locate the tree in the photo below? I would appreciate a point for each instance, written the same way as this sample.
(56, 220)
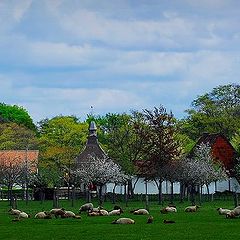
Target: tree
(14, 136)
(10, 173)
(60, 140)
(16, 114)
(99, 171)
(200, 169)
(160, 144)
(236, 141)
(217, 111)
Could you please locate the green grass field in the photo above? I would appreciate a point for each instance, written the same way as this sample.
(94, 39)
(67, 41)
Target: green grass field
(205, 224)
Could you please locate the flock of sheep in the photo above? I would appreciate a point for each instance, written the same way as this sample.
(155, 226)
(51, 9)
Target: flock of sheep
(99, 211)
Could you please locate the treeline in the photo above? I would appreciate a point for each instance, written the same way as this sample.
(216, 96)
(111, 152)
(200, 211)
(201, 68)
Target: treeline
(148, 134)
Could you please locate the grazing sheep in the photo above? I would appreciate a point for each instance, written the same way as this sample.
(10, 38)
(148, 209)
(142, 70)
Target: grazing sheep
(23, 215)
(150, 219)
(116, 207)
(69, 214)
(43, 215)
(123, 221)
(54, 210)
(93, 214)
(103, 212)
(86, 207)
(132, 211)
(115, 212)
(233, 213)
(223, 211)
(168, 221)
(191, 208)
(230, 215)
(168, 209)
(141, 212)
(60, 213)
(13, 211)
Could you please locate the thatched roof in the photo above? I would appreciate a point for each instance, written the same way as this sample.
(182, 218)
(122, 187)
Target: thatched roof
(92, 148)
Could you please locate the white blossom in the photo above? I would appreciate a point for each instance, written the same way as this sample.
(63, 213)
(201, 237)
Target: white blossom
(100, 171)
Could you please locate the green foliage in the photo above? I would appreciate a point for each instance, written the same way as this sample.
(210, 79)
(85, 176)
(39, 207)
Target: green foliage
(217, 111)
(122, 142)
(186, 143)
(17, 115)
(236, 141)
(60, 140)
(16, 137)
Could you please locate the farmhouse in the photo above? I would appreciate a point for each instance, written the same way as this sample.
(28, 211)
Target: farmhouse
(222, 150)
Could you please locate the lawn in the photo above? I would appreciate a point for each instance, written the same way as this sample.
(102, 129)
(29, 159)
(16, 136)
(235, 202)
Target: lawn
(204, 224)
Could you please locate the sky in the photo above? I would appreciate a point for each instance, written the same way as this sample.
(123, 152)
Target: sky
(60, 57)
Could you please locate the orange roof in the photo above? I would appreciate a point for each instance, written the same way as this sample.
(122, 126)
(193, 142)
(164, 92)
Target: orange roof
(12, 157)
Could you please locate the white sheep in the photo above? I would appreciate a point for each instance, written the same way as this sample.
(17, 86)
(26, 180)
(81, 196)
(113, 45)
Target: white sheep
(43, 215)
(223, 211)
(55, 210)
(23, 215)
(69, 214)
(233, 213)
(171, 209)
(141, 211)
(103, 212)
(86, 207)
(124, 221)
(191, 208)
(13, 211)
(115, 212)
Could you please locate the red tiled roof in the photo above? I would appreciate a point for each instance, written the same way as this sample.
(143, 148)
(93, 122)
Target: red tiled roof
(12, 157)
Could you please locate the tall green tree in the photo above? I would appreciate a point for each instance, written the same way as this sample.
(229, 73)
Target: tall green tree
(217, 111)
(17, 137)
(16, 114)
(60, 140)
(161, 145)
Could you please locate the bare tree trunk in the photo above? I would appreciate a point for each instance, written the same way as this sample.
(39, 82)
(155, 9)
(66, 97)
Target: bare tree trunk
(146, 196)
(27, 193)
(130, 188)
(114, 194)
(182, 190)
(73, 195)
(100, 195)
(125, 195)
(208, 192)
(193, 195)
(135, 183)
(171, 194)
(159, 187)
(160, 194)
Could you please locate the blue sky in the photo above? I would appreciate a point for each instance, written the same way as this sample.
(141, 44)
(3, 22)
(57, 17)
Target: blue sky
(63, 56)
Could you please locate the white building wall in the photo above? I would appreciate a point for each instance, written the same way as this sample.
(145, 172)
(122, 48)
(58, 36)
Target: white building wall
(220, 186)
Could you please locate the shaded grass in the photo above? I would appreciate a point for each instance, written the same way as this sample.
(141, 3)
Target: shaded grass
(205, 224)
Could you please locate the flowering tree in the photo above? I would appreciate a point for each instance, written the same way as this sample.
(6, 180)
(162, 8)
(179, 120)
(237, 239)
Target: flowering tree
(99, 171)
(10, 174)
(201, 169)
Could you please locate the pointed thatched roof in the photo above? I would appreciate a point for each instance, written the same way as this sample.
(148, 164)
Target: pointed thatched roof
(92, 148)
